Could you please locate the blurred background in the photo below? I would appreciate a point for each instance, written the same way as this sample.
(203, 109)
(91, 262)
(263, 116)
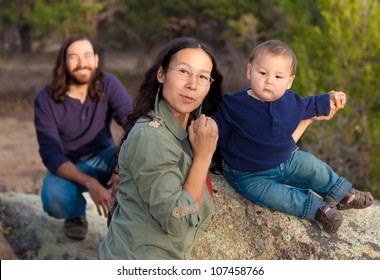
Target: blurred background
(337, 43)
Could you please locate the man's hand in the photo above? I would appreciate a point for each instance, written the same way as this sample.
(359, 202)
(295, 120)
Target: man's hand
(100, 195)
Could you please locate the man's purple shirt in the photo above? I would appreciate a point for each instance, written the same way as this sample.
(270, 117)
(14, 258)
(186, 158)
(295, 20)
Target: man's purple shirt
(71, 131)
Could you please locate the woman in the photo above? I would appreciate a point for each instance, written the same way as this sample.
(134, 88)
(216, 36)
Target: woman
(163, 202)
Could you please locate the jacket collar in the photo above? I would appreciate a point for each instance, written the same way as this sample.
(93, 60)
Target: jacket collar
(161, 109)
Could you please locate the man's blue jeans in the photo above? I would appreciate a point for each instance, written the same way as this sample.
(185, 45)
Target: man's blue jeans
(298, 186)
(62, 198)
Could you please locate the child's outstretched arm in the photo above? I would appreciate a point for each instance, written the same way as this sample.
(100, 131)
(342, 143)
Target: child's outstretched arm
(337, 101)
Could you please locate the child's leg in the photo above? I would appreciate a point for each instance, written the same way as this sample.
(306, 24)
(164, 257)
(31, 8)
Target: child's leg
(303, 170)
(264, 189)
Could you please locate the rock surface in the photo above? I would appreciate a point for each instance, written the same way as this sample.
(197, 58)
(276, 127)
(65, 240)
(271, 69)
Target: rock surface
(239, 230)
(242, 230)
(32, 234)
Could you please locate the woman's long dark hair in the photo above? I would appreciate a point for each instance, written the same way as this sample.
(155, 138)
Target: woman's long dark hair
(60, 82)
(144, 101)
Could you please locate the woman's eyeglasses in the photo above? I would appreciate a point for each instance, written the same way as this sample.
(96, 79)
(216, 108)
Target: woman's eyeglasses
(184, 74)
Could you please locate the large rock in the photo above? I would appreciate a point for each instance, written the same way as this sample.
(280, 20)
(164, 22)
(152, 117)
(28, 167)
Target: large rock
(32, 234)
(243, 230)
(239, 230)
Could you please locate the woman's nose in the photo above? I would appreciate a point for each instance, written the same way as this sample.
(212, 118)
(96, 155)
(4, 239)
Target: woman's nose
(192, 82)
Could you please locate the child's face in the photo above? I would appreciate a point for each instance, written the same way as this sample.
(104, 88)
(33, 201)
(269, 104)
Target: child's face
(270, 76)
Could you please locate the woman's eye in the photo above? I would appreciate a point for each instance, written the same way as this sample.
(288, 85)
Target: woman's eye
(184, 71)
(204, 77)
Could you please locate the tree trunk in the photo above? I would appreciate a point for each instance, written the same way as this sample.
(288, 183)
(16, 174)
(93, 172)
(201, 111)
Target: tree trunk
(26, 44)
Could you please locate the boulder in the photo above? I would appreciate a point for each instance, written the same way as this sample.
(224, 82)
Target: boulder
(33, 235)
(240, 230)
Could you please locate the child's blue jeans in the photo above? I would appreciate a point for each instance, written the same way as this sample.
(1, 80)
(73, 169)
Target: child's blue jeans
(298, 186)
(62, 198)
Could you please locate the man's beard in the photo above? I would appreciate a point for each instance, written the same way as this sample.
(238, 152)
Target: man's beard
(76, 78)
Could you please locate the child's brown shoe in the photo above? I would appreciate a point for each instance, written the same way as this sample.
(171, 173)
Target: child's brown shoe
(355, 199)
(329, 217)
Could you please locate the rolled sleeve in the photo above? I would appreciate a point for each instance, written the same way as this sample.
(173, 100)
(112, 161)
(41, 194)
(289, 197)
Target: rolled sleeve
(187, 207)
(316, 105)
(322, 104)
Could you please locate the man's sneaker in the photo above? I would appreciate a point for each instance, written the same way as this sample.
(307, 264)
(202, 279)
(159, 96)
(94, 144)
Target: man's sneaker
(355, 199)
(329, 217)
(76, 228)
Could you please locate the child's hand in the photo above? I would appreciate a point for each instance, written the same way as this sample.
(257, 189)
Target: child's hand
(338, 100)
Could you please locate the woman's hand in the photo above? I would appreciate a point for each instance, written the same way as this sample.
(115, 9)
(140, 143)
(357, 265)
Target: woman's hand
(203, 136)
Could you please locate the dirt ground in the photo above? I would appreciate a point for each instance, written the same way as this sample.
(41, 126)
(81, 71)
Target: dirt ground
(21, 169)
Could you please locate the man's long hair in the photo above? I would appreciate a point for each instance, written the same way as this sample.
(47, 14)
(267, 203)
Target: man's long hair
(60, 82)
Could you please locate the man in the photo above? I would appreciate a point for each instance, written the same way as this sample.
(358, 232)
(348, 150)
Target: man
(72, 119)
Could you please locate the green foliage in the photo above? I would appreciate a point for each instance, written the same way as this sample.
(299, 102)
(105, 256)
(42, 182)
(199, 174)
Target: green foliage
(5, 230)
(70, 16)
(45, 17)
(338, 47)
(223, 10)
(242, 31)
(145, 16)
(156, 20)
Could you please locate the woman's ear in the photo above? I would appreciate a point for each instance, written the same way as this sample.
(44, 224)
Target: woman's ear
(160, 75)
